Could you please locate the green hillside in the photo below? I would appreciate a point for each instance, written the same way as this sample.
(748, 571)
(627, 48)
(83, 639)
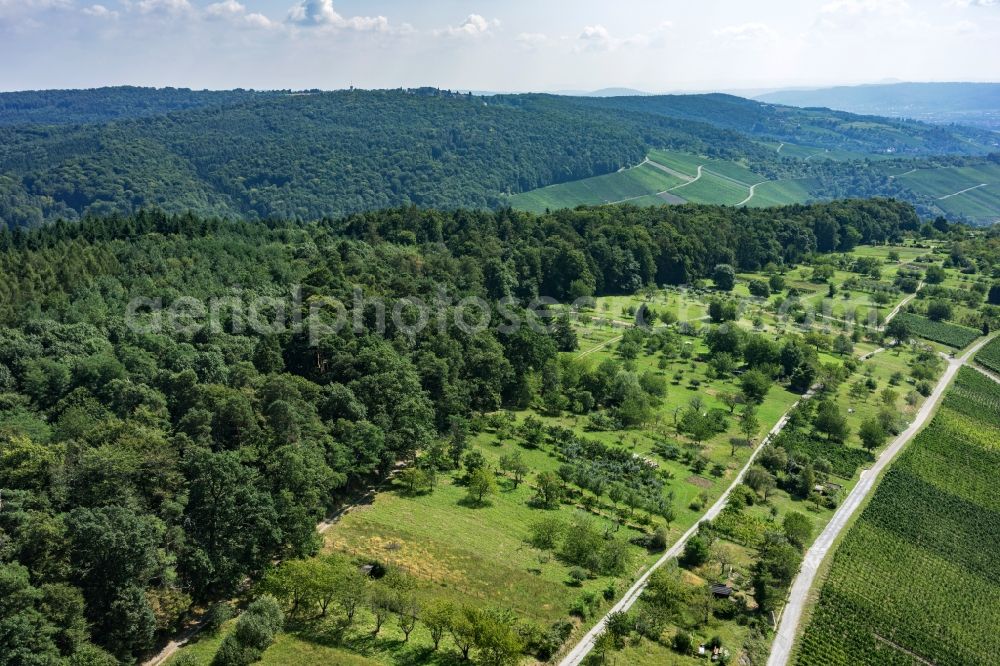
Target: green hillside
(970, 192)
(66, 154)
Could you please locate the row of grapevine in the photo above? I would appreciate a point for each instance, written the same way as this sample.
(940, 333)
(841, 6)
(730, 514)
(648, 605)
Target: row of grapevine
(952, 335)
(989, 356)
(914, 579)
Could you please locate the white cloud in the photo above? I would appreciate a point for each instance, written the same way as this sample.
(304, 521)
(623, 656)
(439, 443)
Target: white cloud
(747, 32)
(258, 20)
(858, 7)
(321, 14)
(100, 11)
(597, 38)
(171, 7)
(965, 4)
(235, 12)
(473, 26)
(531, 40)
(225, 9)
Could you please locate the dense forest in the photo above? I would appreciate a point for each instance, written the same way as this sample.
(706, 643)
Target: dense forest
(144, 471)
(823, 128)
(78, 107)
(65, 154)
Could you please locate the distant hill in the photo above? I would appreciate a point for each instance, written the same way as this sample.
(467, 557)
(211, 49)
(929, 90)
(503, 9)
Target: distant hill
(324, 154)
(976, 104)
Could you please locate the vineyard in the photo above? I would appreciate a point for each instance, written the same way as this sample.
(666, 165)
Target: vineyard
(952, 335)
(989, 356)
(914, 580)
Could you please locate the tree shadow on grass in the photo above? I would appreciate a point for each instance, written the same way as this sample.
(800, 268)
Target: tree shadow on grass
(336, 634)
(473, 503)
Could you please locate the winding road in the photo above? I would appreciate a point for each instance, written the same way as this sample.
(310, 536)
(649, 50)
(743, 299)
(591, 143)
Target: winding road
(696, 178)
(577, 655)
(752, 189)
(784, 639)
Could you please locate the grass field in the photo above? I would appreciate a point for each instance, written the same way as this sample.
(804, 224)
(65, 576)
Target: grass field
(912, 582)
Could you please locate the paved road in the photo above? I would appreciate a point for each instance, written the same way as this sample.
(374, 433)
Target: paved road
(799, 595)
(586, 644)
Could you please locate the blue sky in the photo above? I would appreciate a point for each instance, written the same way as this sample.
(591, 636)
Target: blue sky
(492, 45)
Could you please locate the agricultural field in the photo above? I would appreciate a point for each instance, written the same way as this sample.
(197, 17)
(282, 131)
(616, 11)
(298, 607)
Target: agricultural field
(989, 356)
(951, 335)
(626, 185)
(781, 192)
(899, 588)
(667, 177)
(972, 191)
(713, 189)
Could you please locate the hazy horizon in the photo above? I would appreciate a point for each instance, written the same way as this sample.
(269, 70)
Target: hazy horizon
(495, 46)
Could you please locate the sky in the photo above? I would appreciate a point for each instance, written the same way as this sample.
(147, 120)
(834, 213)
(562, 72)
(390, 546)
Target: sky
(489, 45)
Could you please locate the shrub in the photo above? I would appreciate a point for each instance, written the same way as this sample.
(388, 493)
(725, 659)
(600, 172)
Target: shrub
(255, 631)
(218, 615)
(695, 552)
(682, 642)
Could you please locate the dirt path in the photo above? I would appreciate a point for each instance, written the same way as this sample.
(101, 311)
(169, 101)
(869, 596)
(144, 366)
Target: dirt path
(904, 650)
(579, 652)
(784, 639)
(968, 189)
(992, 375)
(895, 311)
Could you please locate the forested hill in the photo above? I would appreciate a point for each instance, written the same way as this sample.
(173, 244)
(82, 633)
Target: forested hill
(97, 105)
(309, 155)
(306, 155)
(835, 130)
